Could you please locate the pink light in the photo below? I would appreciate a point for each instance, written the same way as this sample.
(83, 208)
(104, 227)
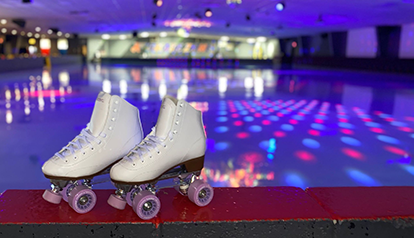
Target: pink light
(406, 129)
(377, 112)
(279, 134)
(319, 121)
(235, 115)
(293, 122)
(270, 176)
(279, 114)
(301, 114)
(390, 119)
(321, 113)
(47, 93)
(409, 118)
(257, 114)
(238, 123)
(343, 120)
(366, 119)
(376, 130)
(271, 110)
(353, 153)
(347, 131)
(266, 122)
(314, 132)
(242, 135)
(304, 155)
(395, 150)
(252, 110)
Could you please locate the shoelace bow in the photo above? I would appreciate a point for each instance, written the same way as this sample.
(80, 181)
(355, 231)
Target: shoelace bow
(85, 136)
(150, 142)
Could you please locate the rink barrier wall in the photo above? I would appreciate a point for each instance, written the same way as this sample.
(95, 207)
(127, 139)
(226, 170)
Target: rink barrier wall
(234, 212)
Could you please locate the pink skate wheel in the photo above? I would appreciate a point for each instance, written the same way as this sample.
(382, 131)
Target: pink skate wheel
(82, 199)
(130, 196)
(52, 197)
(117, 202)
(146, 205)
(200, 193)
(65, 191)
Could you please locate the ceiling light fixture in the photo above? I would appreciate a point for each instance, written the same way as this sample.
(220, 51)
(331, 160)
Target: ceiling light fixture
(106, 36)
(3, 21)
(14, 32)
(59, 33)
(208, 12)
(280, 6)
(3, 30)
(261, 39)
(37, 29)
(29, 34)
(67, 35)
(49, 31)
(251, 40)
(158, 3)
(163, 34)
(122, 37)
(224, 38)
(144, 34)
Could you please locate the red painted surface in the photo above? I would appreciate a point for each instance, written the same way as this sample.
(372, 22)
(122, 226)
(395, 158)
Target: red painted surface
(366, 202)
(229, 204)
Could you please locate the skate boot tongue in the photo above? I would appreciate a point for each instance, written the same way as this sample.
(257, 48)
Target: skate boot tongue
(100, 113)
(165, 117)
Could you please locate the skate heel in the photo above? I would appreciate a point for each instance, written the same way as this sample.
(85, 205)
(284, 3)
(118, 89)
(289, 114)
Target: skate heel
(196, 164)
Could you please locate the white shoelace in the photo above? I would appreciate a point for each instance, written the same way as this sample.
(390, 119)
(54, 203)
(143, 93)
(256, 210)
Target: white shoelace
(81, 140)
(148, 143)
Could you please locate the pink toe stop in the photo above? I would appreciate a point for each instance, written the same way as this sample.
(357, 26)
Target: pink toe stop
(52, 197)
(117, 202)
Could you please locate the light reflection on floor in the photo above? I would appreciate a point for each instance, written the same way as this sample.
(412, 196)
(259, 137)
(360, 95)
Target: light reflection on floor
(264, 127)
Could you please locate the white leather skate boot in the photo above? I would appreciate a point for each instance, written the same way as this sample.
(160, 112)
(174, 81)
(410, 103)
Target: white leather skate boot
(178, 139)
(115, 128)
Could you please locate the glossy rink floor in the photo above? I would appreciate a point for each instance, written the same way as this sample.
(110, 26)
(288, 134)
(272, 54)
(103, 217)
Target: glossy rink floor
(265, 128)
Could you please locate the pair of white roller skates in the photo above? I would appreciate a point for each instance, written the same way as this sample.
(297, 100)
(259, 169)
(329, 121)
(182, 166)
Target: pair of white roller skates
(113, 143)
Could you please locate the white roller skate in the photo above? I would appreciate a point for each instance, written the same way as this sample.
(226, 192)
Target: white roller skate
(114, 129)
(174, 149)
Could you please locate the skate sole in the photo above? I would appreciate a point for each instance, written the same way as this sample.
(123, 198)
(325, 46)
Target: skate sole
(103, 171)
(190, 166)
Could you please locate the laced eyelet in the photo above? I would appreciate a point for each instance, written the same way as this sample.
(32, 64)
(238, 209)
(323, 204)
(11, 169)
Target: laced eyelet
(113, 119)
(165, 146)
(110, 128)
(83, 153)
(66, 161)
(133, 164)
(75, 157)
(100, 142)
(116, 102)
(92, 148)
(115, 110)
(176, 122)
(158, 152)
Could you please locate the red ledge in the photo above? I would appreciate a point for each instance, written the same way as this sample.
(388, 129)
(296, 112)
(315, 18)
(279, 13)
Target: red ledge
(345, 203)
(229, 204)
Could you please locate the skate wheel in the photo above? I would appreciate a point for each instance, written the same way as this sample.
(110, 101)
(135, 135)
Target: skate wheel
(129, 197)
(65, 191)
(82, 199)
(117, 202)
(52, 197)
(200, 193)
(146, 205)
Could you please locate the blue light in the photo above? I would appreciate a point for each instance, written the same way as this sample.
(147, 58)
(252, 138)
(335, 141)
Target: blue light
(398, 123)
(265, 112)
(221, 146)
(409, 168)
(287, 127)
(221, 119)
(321, 117)
(244, 113)
(310, 143)
(221, 113)
(318, 126)
(248, 118)
(412, 135)
(304, 111)
(343, 116)
(388, 139)
(270, 156)
(276, 118)
(221, 129)
(255, 128)
(264, 144)
(350, 141)
(372, 124)
(272, 145)
(345, 125)
(362, 178)
(295, 180)
(383, 115)
(297, 117)
(284, 111)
